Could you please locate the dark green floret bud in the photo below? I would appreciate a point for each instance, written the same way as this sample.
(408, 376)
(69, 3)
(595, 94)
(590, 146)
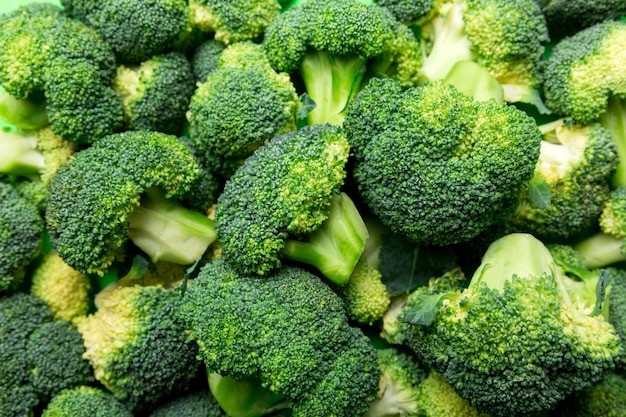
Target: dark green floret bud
(85, 401)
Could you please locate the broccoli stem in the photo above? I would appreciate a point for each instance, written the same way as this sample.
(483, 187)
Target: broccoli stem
(20, 155)
(331, 81)
(244, 397)
(601, 250)
(25, 114)
(473, 80)
(614, 120)
(336, 246)
(167, 231)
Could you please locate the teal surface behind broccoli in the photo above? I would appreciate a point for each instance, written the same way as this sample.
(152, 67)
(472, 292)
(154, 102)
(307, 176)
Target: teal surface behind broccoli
(85, 401)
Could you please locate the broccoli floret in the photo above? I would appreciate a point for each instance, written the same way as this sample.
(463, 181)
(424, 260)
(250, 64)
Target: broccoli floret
(435, 165)
(505, 37)
(576, 163)
(293, 331)
(617, 309)
(156, 93)
(604, 399)
(239, 107)
(85, 401)
(436, 398)
(157, 25)
(329, 43)
(21, 230)
(137, 345)
(566, 17)
(284, 202)
(195, 404)
(398, 387)
(126, 186)
(66, 291)
(584, 80)
(522, 336)
(205, 59)
(235, 20)
(408, 11)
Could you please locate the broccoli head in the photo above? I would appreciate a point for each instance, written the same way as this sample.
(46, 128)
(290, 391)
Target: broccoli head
(126, 186)
(194, 404)
(566, 17)
(436, 398)
(205, 59)
(293, 331)
(408, 11)
(85, 401)
(607, 398)
(435, 165)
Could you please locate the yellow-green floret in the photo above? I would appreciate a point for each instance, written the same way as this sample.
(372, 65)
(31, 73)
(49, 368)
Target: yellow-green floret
(436, 398)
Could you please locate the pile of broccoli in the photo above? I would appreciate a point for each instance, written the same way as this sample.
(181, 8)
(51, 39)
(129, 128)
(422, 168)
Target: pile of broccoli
(313, 208)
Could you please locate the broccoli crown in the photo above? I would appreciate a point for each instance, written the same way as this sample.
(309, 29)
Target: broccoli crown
(514, 342)
(137, 346)
(85, 401)
(66, 291)
(617, 309)
(21, 229)
(607, 398)
(157, 24)
(92, 197)
(613, 216)
(292, 329)
(365, 295)
(584, 70)
(235, 20)
(436, 398)
(205, 59)
(408, 11)
(40, 356)
(577, 163)
(156, 93)
(195, 404)
(285, 187)
(435, 165)
(566, 17)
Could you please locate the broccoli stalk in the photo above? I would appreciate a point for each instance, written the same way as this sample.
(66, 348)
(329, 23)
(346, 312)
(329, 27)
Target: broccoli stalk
(19, 154)
(26, 114)
(601, 249)
(167, 231)
(614, 120)
(336, 246)
(244, 397)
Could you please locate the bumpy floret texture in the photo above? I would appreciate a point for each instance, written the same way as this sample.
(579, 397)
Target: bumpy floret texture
(566, 17)
(195, 404)
(85, 401)
(605, 399)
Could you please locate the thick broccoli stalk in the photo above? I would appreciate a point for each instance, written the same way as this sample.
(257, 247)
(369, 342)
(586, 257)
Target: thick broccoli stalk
(85, 401)
(505, 37)
(435, 165)
(328, 43)
(278, 203)
(244, 397)
(522, 337)
(294, 333)
(26, 114)
(95, 202)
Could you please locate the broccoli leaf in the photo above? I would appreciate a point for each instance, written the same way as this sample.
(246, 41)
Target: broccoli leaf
(425, 312)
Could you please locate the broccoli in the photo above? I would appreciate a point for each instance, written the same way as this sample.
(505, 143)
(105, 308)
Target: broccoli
(522, 336)
(27, 114)
(607, 398)
(125, 186)
(40, 356)
(408, 11)
(505, 37)
(566, 17)
(205, 59)
(158, 26)
(194, 404)
(66, 291)
(156, 93)
(137, 345)
(435, 165)
(245, 397)
(53, 58)
(398, 387)
(331, 43)
(292, 330)
(617, 309)
(576, 164)
(85, 401)
(239, 107)
(284, 202)
(21, 230)
(584, 80)
(436, 398)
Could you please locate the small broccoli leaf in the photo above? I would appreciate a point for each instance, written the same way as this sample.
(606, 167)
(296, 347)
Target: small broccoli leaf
(405, 266)
(539, 192)
(307, 107)
(191, 272)
(424, 312)
(603, 283)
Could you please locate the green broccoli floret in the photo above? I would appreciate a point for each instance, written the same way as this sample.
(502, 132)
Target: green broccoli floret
(607, 398)
(435, 165)
(156, 93)
(294, 333)
(40, 356)
(158, 26)
(408, 11)
(195, 404)
(284, 202)
(398, 387)
(239, 107)
(566, 17)
(137, 346)
(576, 163)
(66, 291)
(522, 336)
(505, 37)
(21, 230)
(125, 187)
(436, 398)
(235, 20)
(617, 310)
(584, 80)
(205, 59)
(85, 401)
(329, 43)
